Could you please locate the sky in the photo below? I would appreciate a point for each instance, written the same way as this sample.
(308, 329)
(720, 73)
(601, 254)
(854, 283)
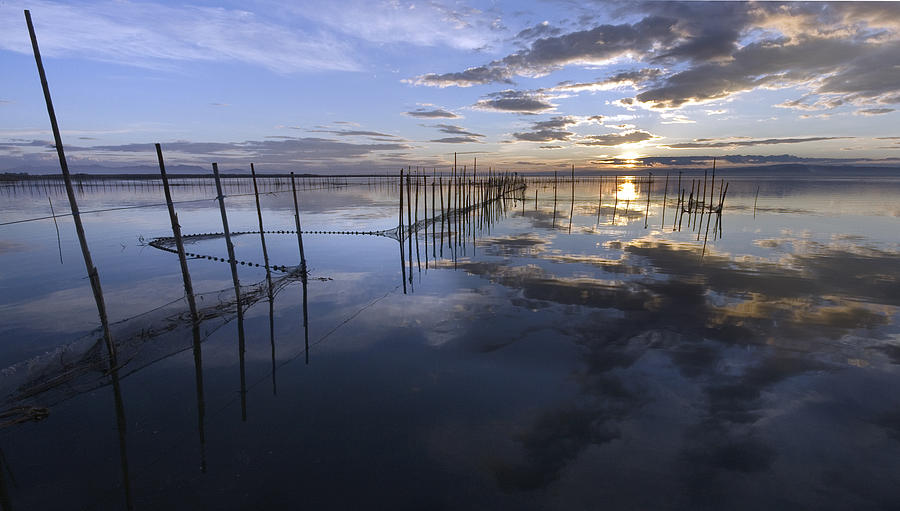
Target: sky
(370, 87)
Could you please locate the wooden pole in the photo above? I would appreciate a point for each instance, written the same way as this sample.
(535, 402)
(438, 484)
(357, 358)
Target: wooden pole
(297, 225)
(616, 203)
(192, 305)
(303, 271)
(572, 209)
(262, 234)
(400, 231)
(555, 187)
(662, 222)
(647, 212)
(176, 232)
(93, 275)
(237, 289)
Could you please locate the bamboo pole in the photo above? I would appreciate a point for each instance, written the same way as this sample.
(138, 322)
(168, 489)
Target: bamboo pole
(262, 234)
(303, 270)
(400, 227)
(555, 186)
(662, 222)
(237, 289)
(176, 232)
(647, 212)
(299, 230)
(572, 209)
(93, 275)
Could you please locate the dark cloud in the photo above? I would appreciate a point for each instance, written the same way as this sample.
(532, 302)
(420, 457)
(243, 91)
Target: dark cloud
(542, 29)
(549, 130)
(551, 147)
(549, 53)
(543, 135)
(354, 133)
(745, 143)
(627, 78)
(456, 130)
(436, 113)
(613, 139)
(874, 111)
(515, 101)
(843, 53)
(767, 63)
(456, 140)
(473, 76)
(557, 122)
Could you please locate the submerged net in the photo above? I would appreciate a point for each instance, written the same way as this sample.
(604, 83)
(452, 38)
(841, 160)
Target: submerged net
(84, 364)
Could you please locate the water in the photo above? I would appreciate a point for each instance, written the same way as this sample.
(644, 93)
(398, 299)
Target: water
(553, 360)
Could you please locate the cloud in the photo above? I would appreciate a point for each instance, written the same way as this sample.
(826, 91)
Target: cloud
(543, 135)
(550, 130)
(479, 75)
(525, 102)
(632, 79)
(555, 122)
(435, 113)
(542, 29)
(456, 140)
(746, 143)
(403, 22)
(874, 111)
(614, 139)
(353, 133)
(456, 130)
(595, 46)
(837, 53)
(673, 118)
(126, 33)
(762, 64)
(551, 147)
(282, 153)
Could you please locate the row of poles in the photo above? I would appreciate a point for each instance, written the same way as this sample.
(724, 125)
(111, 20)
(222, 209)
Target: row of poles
(113, 365)
(472, 204)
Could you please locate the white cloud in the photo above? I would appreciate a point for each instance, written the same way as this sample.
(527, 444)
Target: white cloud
(157, 36)
(394, 21)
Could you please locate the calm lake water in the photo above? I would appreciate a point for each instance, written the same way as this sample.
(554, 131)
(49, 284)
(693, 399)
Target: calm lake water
(552, 353)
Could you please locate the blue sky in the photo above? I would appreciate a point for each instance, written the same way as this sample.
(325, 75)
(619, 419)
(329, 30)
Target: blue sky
(364, 86)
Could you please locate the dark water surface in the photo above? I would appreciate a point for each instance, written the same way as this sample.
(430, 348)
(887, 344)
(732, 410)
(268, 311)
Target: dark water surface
(561, 358)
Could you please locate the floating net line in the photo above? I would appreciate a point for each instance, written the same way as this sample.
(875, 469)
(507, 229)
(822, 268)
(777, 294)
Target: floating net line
(399, 233)
(32, 386)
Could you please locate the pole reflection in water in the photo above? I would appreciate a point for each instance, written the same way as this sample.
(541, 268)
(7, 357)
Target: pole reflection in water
(265, 251)
(192, 305)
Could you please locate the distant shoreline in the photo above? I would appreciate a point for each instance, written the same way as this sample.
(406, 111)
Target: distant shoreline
(786, 170)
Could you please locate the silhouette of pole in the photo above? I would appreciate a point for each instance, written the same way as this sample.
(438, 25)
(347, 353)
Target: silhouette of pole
(93, 275)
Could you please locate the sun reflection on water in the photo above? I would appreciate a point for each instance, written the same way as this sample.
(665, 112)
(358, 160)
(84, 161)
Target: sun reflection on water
(627, 190)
